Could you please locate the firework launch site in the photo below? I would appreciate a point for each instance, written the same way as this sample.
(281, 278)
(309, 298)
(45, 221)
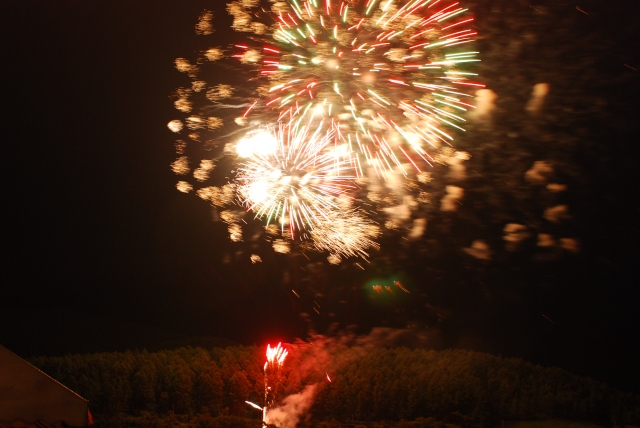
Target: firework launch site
(331, 383)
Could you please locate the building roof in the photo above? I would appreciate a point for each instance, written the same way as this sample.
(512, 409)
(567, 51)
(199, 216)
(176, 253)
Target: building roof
(29, 395)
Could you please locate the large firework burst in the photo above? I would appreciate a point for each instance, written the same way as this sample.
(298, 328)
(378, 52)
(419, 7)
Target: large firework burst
(351, 98)
(386, 75)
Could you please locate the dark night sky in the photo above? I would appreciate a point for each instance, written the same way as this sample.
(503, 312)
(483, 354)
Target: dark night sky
(102, 253)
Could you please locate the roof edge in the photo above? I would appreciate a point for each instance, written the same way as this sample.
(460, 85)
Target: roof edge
(31, 365)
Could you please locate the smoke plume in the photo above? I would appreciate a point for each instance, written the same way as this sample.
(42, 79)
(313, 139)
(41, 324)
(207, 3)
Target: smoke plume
(293, 407)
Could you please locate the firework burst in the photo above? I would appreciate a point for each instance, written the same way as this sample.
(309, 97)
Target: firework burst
(296, 177)
(385, 75)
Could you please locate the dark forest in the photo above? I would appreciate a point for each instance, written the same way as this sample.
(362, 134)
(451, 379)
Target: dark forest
(208, 388)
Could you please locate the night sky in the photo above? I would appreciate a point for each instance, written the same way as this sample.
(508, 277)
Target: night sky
(101, 253)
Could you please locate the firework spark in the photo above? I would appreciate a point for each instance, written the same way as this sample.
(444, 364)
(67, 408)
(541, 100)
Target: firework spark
(346, 234)
(275, 356)
(254, 405)
(272, 376)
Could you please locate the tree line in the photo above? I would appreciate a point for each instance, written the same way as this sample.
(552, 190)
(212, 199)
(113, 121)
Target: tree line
(430, 388)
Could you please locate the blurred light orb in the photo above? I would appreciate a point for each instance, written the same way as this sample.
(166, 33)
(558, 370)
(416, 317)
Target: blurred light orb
(260, 142)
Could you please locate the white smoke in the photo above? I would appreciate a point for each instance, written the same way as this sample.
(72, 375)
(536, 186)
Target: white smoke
(288, 414)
